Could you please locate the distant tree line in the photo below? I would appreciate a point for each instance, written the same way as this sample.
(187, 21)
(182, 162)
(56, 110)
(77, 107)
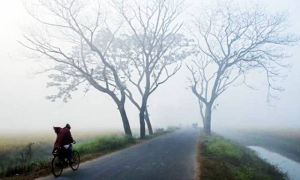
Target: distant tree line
(127, 49)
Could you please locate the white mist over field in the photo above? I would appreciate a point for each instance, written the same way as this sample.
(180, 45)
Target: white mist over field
(23, 106)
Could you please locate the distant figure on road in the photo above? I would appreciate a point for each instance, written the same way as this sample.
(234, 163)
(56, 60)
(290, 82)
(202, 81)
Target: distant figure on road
(64, 139)
(195, 125)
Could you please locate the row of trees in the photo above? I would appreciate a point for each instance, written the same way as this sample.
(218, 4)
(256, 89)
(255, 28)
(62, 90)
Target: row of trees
(127, 49)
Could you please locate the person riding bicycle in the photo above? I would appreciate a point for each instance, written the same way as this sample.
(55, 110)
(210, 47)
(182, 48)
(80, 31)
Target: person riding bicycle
(64, 139)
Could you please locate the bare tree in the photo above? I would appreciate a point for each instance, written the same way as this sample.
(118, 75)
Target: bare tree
(230, 42)
(154, 49)
(76, 36)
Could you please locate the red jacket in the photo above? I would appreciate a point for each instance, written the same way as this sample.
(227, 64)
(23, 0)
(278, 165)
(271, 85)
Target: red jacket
(64, 137)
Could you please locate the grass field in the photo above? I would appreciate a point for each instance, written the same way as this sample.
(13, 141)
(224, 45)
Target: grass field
(223, 159)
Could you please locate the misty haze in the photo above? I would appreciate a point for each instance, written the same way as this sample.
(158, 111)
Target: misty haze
(149, 89)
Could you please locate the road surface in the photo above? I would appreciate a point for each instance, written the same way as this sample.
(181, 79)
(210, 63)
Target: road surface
(171, 156)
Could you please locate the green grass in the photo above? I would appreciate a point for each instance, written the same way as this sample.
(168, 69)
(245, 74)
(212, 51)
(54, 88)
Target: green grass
(104, 144)
(223, 148)
(223, 159)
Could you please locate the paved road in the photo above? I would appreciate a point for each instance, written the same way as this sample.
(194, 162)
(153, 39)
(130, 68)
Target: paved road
(172, 156)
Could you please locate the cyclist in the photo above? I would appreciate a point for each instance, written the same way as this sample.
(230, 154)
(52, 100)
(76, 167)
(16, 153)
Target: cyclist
(64, 139)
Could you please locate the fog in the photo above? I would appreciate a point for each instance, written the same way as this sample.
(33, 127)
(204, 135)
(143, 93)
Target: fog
(23, 106)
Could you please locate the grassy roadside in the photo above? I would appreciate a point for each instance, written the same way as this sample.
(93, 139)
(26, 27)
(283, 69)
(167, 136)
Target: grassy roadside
(89, 150)
(283, 141)
(221, 158)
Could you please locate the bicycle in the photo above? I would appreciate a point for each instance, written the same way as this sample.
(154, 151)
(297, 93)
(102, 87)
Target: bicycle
(60, 161)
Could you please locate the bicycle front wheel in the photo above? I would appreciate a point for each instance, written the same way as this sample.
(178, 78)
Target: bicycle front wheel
(57, 166)
(76, 161)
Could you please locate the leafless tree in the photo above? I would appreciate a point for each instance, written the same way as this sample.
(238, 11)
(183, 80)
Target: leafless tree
(154, 48)
(76, 36)
(230, 41)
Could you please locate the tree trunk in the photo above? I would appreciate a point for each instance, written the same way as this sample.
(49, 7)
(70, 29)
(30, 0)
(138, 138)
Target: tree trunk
(125, 121)
(207, 120)
(147, 119)
(145, 99)
(142, 122)
(201, 104)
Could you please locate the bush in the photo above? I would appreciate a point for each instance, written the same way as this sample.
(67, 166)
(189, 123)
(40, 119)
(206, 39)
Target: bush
(17, 160)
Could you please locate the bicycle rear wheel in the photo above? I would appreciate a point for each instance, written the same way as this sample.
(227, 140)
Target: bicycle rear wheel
(57, 166)
(76, 161)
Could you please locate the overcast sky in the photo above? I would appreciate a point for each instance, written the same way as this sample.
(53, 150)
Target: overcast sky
(23, 105)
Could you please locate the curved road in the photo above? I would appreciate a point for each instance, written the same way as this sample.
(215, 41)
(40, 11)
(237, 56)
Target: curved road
(171, 156)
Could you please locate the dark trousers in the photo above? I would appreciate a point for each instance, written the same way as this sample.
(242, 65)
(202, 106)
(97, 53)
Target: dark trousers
(70, 152)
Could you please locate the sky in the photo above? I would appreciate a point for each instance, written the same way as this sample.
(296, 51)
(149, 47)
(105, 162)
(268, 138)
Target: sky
(23, 106)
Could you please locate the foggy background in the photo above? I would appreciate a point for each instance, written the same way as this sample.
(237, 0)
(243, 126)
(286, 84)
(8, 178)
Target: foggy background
(23, 106)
